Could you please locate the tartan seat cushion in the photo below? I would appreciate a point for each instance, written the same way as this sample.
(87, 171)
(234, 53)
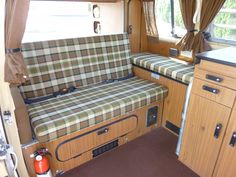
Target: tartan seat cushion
(90, 105)
(58, 64)
(166, 66)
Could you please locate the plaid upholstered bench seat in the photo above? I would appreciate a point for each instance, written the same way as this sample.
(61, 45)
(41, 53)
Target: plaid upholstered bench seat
(82, 99)
(90, 105)
(164, 66)
(100, 69)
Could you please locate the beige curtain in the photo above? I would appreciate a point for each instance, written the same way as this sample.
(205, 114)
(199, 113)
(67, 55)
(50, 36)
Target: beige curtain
(150, 19)
(209, 10)
(15, 20)
(187, 9)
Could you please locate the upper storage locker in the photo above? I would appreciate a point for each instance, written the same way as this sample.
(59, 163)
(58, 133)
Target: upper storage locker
(49, 20)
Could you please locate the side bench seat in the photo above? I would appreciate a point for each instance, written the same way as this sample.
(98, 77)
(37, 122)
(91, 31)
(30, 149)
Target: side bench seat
(90, 105)
(165, 66)
(106, 105)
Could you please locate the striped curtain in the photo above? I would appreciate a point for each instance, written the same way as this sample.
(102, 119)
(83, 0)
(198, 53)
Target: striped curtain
(209, 10)
(150, 19)
(15, 19)
(187, 8)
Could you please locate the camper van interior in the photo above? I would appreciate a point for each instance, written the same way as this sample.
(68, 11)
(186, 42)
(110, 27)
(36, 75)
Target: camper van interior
(118, 88)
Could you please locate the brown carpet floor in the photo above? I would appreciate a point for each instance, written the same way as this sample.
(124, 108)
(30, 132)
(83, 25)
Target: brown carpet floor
(152, 155)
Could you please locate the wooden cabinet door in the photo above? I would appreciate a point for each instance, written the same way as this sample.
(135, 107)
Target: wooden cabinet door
(200, 149)
(226, 164)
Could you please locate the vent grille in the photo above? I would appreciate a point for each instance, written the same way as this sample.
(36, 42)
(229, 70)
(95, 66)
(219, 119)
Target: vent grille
(105, 148)
(172, 127)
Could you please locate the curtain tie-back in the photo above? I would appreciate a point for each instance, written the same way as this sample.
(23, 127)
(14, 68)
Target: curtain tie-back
(192, 30)
(12, 50)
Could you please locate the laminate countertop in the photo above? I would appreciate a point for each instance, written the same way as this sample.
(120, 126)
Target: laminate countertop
(226, 56)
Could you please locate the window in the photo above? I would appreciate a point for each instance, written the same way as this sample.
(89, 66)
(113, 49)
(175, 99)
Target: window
(169, 18)
(49, 20)
(223, 27)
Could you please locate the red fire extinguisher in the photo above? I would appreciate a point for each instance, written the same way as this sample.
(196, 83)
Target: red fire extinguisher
(41, 163)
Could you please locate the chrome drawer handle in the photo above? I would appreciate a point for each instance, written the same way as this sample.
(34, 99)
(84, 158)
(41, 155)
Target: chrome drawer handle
(102, 131)
(210, 89)
(214, 78)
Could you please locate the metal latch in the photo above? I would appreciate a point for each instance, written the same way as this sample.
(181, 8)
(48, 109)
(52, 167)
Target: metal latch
(7, 117)
(130, 29)
(59, 173)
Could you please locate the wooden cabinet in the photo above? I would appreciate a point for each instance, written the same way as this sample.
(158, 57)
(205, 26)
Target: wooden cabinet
(201, 141)
(210, 129)
(226, 164)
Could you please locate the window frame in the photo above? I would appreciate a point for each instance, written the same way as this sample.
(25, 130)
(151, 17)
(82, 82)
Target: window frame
(173, 34)
(222, 41)
(219, 40)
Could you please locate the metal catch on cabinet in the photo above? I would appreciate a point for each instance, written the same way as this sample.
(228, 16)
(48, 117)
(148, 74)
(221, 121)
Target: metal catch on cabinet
(233, 140)
(217, 130)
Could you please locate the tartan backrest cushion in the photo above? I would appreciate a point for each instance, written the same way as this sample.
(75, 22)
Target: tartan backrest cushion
(57, 64)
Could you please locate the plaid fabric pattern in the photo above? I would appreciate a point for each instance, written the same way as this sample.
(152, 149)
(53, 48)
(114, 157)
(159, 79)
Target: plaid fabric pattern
(164, 65)
(57, 64)
(91, 105)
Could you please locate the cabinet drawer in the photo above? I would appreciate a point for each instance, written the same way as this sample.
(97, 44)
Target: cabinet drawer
(221, 69)
(95, 138)
(214, 92)
(215, 78)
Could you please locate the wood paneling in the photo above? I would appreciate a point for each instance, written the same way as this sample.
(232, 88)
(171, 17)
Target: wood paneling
(160, 47)
(22, 117)
(200, 149)
(174, 102)
(138, 37)
(135, 21)
(86, 156)
(225, 96)
(227, 160)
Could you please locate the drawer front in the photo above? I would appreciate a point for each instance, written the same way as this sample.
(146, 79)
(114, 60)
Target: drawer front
(214, 92)
(95, 138)
(215, 78)
(221, 69)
